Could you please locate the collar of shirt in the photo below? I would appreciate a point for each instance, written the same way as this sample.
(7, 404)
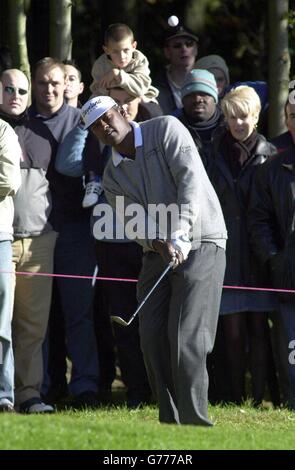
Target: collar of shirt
(33, 112)
(116, 156)
(175, 89)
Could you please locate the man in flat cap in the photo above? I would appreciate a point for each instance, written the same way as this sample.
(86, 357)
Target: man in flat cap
(180, 50)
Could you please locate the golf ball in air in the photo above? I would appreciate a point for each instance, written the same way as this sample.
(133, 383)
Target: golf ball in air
(173, 20)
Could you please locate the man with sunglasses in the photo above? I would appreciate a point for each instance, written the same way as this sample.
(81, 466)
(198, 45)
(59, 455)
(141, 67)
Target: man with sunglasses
(15, 86)
(33, 244)
(181, 50)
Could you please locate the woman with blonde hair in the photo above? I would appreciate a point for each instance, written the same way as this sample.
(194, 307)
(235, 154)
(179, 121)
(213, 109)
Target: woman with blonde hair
(238, 152)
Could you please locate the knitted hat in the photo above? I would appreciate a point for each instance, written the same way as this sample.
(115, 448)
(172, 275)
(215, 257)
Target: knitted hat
(95, 108)
(213, 61)
(200, 80)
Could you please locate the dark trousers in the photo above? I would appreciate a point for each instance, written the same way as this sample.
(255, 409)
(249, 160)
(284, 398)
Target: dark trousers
(177, 329)
(105, 342)
(287, 312)
(57, 349)
(73, 304)
(123, 260)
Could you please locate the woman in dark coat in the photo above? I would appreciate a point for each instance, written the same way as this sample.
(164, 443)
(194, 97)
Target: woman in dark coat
(237, 153)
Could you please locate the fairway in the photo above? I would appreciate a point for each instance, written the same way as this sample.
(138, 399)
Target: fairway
(121, 429)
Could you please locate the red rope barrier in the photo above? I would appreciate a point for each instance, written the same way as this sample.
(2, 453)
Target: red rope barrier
(118, 279)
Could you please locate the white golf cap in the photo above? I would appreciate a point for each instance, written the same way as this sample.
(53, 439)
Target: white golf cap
(94, 108)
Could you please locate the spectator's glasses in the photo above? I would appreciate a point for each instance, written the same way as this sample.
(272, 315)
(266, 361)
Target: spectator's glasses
(179, 45)
(11, 90)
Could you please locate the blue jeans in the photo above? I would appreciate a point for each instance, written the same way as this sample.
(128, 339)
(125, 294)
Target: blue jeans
(6, 297)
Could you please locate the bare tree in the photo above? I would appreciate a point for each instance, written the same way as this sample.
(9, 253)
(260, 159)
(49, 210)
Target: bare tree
(61, 29)
(279, 64)
(18, 40)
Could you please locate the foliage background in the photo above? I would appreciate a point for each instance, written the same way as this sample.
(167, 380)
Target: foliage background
(235, 29)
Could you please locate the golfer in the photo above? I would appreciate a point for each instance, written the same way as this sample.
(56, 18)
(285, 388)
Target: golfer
(156, 164)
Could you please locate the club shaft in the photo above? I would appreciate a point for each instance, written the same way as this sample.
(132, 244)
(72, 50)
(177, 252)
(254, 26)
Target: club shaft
(150, 292)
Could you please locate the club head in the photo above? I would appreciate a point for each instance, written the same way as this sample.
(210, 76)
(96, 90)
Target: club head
(119, 320)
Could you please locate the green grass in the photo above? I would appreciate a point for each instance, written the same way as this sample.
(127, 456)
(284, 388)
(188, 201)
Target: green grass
(119, 429)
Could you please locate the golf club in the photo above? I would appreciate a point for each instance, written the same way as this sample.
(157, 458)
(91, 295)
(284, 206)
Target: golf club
(120, 320)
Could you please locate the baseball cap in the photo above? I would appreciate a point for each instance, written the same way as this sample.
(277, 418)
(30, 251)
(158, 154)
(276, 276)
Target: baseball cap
(95, 108)
(200, 80)
(179, 31)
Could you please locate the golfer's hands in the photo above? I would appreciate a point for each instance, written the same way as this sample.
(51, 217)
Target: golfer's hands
(168, 252)
(181, 243)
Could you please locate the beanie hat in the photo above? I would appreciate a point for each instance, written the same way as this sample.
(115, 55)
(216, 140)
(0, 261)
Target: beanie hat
(95, 108)
(213, 61)
(200, 80)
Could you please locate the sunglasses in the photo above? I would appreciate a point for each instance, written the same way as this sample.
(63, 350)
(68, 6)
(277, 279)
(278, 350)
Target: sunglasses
(179, 45)
(11, 90)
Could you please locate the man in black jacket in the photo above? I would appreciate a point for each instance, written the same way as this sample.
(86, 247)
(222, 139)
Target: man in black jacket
(287, 139)
(271, 228)
(201, 114)
(181, 50)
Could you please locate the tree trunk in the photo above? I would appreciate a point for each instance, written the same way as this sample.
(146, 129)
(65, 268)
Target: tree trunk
(60, 29)
(279, 64)
(18, 40)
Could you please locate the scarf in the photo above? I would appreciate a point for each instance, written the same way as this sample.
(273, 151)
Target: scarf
(237, 153)
(202, 131)
(14, 120)
(204, 126)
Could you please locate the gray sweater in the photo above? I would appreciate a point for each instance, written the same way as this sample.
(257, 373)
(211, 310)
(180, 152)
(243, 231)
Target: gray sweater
(167, 169)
